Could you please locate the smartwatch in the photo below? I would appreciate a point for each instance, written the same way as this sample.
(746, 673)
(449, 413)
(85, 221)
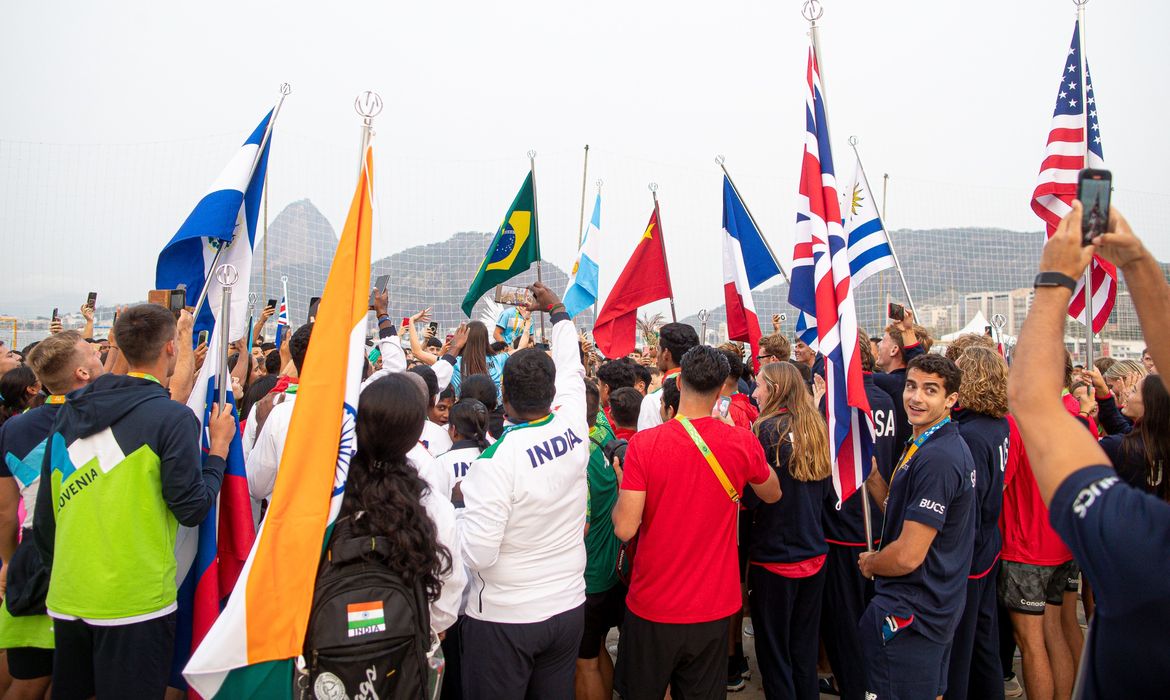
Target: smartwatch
(1055, 279)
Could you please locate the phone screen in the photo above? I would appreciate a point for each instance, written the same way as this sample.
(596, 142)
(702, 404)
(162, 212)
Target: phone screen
(1093, 189)
(724, 405)
(202, 338)
(92, 300)
(313, 304)
(896, 311)
(271, 304)
(512, 295)
(55, 317)
(434, 325)
(379, 286)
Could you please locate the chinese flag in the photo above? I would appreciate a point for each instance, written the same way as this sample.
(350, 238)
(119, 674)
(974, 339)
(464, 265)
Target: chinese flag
(644, 280)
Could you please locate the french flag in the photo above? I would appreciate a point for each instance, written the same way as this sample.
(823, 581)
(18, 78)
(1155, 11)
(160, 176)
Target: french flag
(211, 556)
(747, 263)
(821, 289)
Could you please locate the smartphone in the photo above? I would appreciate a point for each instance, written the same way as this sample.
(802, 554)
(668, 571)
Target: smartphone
(896, 311)
(314, 302)
(379, 286)
(405, 322)
(271, 304)
(724, 405)
(55, 317)
(91, 301)
(177, 301)
(512, 295)
(202, 338)
(434, 326)
(1093, 189)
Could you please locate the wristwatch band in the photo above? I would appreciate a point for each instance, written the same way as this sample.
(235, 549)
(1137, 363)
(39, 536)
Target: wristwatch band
(1055, 279)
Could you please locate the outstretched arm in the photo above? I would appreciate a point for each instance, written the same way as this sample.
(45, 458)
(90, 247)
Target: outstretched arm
(1037, 374)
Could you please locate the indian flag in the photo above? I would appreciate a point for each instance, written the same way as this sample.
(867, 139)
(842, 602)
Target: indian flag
(365, 618)
(249, 652)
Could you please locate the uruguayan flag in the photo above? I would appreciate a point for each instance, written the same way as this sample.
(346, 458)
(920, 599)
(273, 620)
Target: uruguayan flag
(869, 248)
(230, 207)
(582, 290)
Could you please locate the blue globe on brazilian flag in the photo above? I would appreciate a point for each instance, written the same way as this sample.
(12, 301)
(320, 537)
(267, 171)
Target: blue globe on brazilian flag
(514, 248)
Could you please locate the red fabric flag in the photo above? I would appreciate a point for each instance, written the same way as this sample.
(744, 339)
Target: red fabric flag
(644, 280)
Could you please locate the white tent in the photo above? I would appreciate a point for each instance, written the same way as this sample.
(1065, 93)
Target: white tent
(978, 326)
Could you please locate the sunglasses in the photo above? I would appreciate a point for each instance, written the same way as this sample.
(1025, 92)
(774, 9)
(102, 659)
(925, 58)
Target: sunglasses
(763, 357)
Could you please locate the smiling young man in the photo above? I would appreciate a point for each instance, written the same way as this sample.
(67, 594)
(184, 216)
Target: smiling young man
(920, 572)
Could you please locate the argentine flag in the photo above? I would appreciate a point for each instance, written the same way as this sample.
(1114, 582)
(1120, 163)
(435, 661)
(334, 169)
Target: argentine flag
(230, 207)
(582, 290)
(869, 247)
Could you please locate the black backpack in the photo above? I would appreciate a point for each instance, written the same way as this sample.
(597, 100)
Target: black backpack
(369, 631)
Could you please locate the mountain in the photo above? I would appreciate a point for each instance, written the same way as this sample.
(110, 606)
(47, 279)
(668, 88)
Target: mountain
(941, 267)
(302, 243)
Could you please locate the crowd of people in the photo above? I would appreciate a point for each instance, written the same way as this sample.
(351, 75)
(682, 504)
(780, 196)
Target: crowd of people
(543, 499)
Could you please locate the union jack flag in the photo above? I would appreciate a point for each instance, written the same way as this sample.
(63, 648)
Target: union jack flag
(1065, 156)
(821, 288)
(281, 321)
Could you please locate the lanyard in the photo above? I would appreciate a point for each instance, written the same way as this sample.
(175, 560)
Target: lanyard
(144, 375)
(912, 450)
(55, 399)
(710, 457)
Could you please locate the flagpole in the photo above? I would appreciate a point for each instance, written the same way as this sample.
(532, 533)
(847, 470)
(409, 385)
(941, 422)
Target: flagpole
(536, 226)
(264, 255)
(719, 160)
(1088, 280)
(882, 278)
(599, 184)
(227, 275)
(853, 141)
(285, 89)
(662, 241)
(584, 179)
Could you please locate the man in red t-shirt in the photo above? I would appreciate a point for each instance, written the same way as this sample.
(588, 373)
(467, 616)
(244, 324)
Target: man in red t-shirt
(684, 586)
(1034, 579)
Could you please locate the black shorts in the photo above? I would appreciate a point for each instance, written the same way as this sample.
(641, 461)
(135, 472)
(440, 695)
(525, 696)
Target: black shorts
(27, 663)
(116, 661)
(603, 612)
(1027, 588)
(691, 659)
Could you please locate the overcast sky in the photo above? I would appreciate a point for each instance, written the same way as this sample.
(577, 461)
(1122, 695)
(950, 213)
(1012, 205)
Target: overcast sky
(117, 116)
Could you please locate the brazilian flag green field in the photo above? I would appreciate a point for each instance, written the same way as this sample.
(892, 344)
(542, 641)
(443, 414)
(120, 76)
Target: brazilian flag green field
(514, 248)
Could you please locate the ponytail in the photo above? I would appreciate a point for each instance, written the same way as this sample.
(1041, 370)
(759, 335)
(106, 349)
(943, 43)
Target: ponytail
(470, 419)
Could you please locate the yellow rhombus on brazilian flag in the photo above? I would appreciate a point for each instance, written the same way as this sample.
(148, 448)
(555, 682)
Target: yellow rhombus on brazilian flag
(513, 250)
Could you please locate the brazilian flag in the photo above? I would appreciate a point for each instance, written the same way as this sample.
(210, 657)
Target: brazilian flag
(513, 250)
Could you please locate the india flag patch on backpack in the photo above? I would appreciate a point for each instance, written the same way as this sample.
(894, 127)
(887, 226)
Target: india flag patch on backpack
(365, 618)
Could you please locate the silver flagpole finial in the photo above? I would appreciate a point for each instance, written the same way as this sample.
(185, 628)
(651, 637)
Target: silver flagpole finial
(1080, 3)
(368, 105)
(720, 159)
(227, 275)
(285, 89)
(284, 279)
(531, 155)
(999, 321)
(600, 182)
(653, 186)
(813, 10)
(853, 141)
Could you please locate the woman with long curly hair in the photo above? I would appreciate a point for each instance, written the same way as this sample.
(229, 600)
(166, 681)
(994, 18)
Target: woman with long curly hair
(477, 357)
(786, 575)
(387, 497)
(975, 669)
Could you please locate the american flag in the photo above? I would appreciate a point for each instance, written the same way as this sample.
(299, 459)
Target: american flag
(821, 288)
(1063, 159)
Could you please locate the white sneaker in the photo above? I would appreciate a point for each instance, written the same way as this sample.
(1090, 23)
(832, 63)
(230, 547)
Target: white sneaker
(1012, 688)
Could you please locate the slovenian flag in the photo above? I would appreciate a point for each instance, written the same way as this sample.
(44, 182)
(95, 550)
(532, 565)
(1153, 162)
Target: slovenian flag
(224, 218)
(582, 290)
(250, 650)
(747, 263)
(211, 556)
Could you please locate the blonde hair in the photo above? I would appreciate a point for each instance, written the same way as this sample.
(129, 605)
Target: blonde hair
(798, 421)
(968, 340)
(1124, 368)
(984, 387)
(54, 360)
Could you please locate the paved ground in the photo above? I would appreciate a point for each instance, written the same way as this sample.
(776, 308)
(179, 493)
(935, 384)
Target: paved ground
(754, 691)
